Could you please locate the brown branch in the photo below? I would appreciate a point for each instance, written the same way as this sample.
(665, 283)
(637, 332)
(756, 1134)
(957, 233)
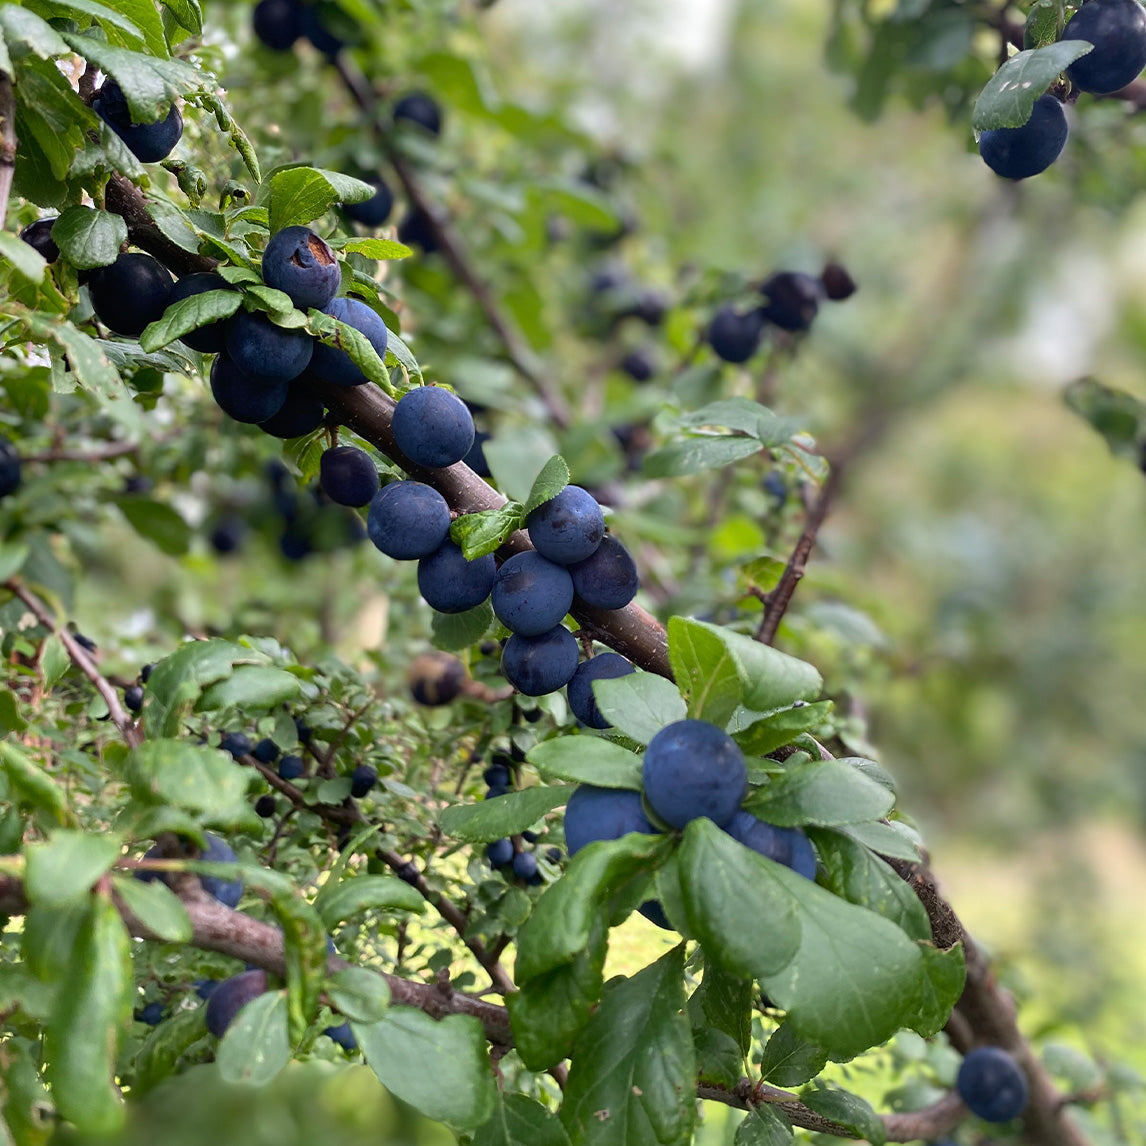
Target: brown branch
(8, 142)
(123, 198)
(520, 357)
(119, 450)
(82, 660)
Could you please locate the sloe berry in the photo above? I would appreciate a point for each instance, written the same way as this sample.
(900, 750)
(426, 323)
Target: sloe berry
(230, 997)
(302, 265)
(148, 142)
(278, 23)
(242, 397)
(265, 806)
(1020, 152)
(1117, 29)
(531, 594)
(266, 352)
(735, 337)
(291, 767)
(541, 664)
(408, 520)
(525, 865)
(207, 339)
(336, 366)
(422, 109)
(372, 212)
(348, 475)
(362, 779)
(38, 236)
(450, 583)
(567, 528)
(436, 678)
(500, 853)
(608, 578)
(133, 697)
(693, 768)
(604, 666)
(992, 1084)
(788, 846)
(10, 468)
(131, 293)
(433, 427)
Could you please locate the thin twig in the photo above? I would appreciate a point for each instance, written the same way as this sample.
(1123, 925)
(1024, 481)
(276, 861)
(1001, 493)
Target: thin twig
(8, 142)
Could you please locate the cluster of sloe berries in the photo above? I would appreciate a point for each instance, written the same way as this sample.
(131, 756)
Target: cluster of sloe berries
(1117, 29)
(792, 301)
(501, 853)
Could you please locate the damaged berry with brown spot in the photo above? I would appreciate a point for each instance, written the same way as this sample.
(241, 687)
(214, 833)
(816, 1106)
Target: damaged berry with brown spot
(303, 266)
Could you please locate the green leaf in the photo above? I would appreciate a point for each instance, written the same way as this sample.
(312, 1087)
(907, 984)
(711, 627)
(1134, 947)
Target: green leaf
(27, 29)
(640, 704)
(82, 1036)
(189, 314)
(696, 454)
(707, 674)
(724, 1002)
(157, 523)
(358, 347)
(156, 906)
(764, 1126)
(554, 477)
(344, 899)
(398, 354)
(849, 1110)
(304, 939)
(65, 867)
(773, 731)
(12, 555)
(1119, 417)
(1010, 94)
(440, 1068)
(587, 760)
(748, 924)
(255, 1046)
(633, 1072)
(187, 775)
(249, 688)
(944, 975)
(823, 793)
(360, 994)
(477, 534)
(894, 839)
(27, 261)
(790, 1060)
(144, 24)
(857, 875)
(299, 195)
(456, 631)
(49, 938)
(504, 816)
(563, 919)
(177, 680)
(54, 660)
(718, 1058)
(519, 1120)
(89, 364)
(189, 13)
(31, 783)
(746, 417)
(380, 249)
(165, 1046)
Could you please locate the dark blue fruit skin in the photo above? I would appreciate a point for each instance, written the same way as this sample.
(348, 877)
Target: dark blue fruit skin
(348, 475)
(10, 475)
(152, 1014)
(608, 579)
(333, 365)
(433, 427)
(788, 846)
(992, 1084)
(567, 528)
(362, 779)
(1020, 152)
(227, 536)
(38, 236)
(299, 263)
(496, 776)
(692, 769)
(277, 23)
(530, 594)
(291, 767)
(227, 892)
(265, 806)
(148, 142)
(476, 458)
(375, 211)
(246, 399)
(207, 339)
(604, 666)
(130, 293)
(408, 520)
(525, 865)
(417, 230)
(1117, 29)
(500, 853)
(422, 109)
(265, 352)
(133, 697)
(342, 1035)
(315, 30)
(236, 743)
(539, 665)
(230, 997)
(793, 299)
(450, 583)
(301, 413)
(266, 751)
(205, 988)
(603, 814)
(639, 365)
(735, 337)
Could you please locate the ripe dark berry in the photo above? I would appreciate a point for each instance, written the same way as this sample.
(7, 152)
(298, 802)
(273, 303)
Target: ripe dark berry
(10, 475)
(837, 282)
(348, 475)
(302, 730)
(133, 697)
(38, 236)
(500, 853)
(436, 678)
(242, 397)
(86, 643)
(130, 293)
(1117, 29)
(603, 814)
(433, 427)
(531, 594)
(229, 998)
(525, 865)
(316, 28)
(409, 873)
(152, 1014)
(227, 892)
(408, 520)
(265, 352)
(334, 365)
(237, 743)
(422, 109)
(604, 666)
(148, 142)
(793, 299)
(640, 365)
(1020, 152)
(542, 664)
(735, 337)
(693, 768)
(266, 751)
(553, 855)
(301, 412)
(496, 790)
(372, 212)
(529, 837)
(607, 579)
(291, 767)
(450, 583)
(362, 779)
(205, 988)
(788, 846)
(417, 230)
(343, 1035)
(302, 265)
(992, 1084)
(265, 806)
(206, 339)
(278, 23)
(567, 528)
(145, 672)
(227, 536)
(476, 458)
(496, 776)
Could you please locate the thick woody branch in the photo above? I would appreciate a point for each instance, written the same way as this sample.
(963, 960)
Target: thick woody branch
(123, 198)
